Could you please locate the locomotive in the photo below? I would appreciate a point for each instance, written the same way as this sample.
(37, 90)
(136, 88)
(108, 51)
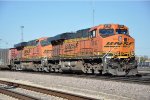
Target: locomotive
(106, 48)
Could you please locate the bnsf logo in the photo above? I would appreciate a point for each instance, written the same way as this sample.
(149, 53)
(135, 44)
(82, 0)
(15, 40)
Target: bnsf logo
(71, 46)
(27, 52)
(118, 44)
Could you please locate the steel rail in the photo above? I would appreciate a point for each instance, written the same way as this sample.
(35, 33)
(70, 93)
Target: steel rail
(17, 95)
(61, 94)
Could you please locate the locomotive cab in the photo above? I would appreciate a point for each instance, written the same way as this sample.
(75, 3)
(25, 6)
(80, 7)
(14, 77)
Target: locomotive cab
(113, 39)
(116, 48)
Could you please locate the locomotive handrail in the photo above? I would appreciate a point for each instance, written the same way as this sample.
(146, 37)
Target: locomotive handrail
(109, 51)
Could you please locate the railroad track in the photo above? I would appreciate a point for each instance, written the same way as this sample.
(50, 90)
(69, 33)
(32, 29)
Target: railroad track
(17, 95)
(67, 96)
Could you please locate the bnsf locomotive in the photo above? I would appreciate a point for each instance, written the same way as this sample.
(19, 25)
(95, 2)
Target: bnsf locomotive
(106, 48)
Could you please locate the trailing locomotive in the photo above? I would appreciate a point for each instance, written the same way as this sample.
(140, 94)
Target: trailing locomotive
(106, 48)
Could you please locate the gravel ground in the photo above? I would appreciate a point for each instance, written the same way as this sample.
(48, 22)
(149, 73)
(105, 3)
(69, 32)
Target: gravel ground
(5, 97)
(95, 88)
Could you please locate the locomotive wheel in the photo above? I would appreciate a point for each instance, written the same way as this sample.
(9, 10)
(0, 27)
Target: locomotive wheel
(96, 71)
(18, 67)
(84, 69)
(52, 69)
(57, 70)
(87, 70)
(116, 71)
(90, 71)
(46, 69)
(41, 69)
(13, 67)
(132, 72)
(35, 68)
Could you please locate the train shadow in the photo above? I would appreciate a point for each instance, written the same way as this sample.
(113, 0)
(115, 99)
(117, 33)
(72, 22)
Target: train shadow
(8, 86)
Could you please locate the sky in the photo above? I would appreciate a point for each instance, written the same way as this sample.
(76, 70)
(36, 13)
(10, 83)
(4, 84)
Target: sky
(49, 18)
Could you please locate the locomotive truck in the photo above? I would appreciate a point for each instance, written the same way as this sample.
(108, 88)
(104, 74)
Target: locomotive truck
(106, 48)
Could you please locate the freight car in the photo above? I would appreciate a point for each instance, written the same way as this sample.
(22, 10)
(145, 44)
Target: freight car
(4, 58)
(106, 48)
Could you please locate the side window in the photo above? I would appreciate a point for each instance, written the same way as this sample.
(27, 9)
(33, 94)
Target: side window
(36, 43)
(39, 43)
(93, 34)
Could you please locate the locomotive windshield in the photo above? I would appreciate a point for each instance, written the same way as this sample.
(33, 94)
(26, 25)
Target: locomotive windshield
(121, 31)
(106, 31)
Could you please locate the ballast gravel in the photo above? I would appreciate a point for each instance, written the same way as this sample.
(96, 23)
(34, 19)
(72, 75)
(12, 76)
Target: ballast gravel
(100, 89)
(5, 97)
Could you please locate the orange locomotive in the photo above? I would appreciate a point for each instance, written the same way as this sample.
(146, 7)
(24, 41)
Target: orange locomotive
(106, 48)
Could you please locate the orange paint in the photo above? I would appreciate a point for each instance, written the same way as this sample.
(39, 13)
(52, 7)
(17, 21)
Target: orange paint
(97, 44)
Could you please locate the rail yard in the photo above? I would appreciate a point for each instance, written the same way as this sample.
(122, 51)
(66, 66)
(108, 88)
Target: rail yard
(95, 63)
(74, 50)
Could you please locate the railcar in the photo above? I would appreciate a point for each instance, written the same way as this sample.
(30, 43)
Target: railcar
(4, 58)
(106, 48)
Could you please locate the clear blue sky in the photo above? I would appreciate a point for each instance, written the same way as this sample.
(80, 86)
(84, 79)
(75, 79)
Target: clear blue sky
(48, 18)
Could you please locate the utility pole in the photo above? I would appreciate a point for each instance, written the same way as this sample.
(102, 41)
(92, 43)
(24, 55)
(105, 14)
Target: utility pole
(93, 11)
(0, 41)
(22, 33)
(93, 16)
(21, 41)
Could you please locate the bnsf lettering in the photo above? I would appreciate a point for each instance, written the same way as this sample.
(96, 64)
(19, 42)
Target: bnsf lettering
(27, 52)
(127, 43)
(118, 44)
(114, 43)
(109, 43)
(71, 46)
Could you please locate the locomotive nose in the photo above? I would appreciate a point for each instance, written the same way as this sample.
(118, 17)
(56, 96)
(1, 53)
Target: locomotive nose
(120, 45)
(127, 46)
